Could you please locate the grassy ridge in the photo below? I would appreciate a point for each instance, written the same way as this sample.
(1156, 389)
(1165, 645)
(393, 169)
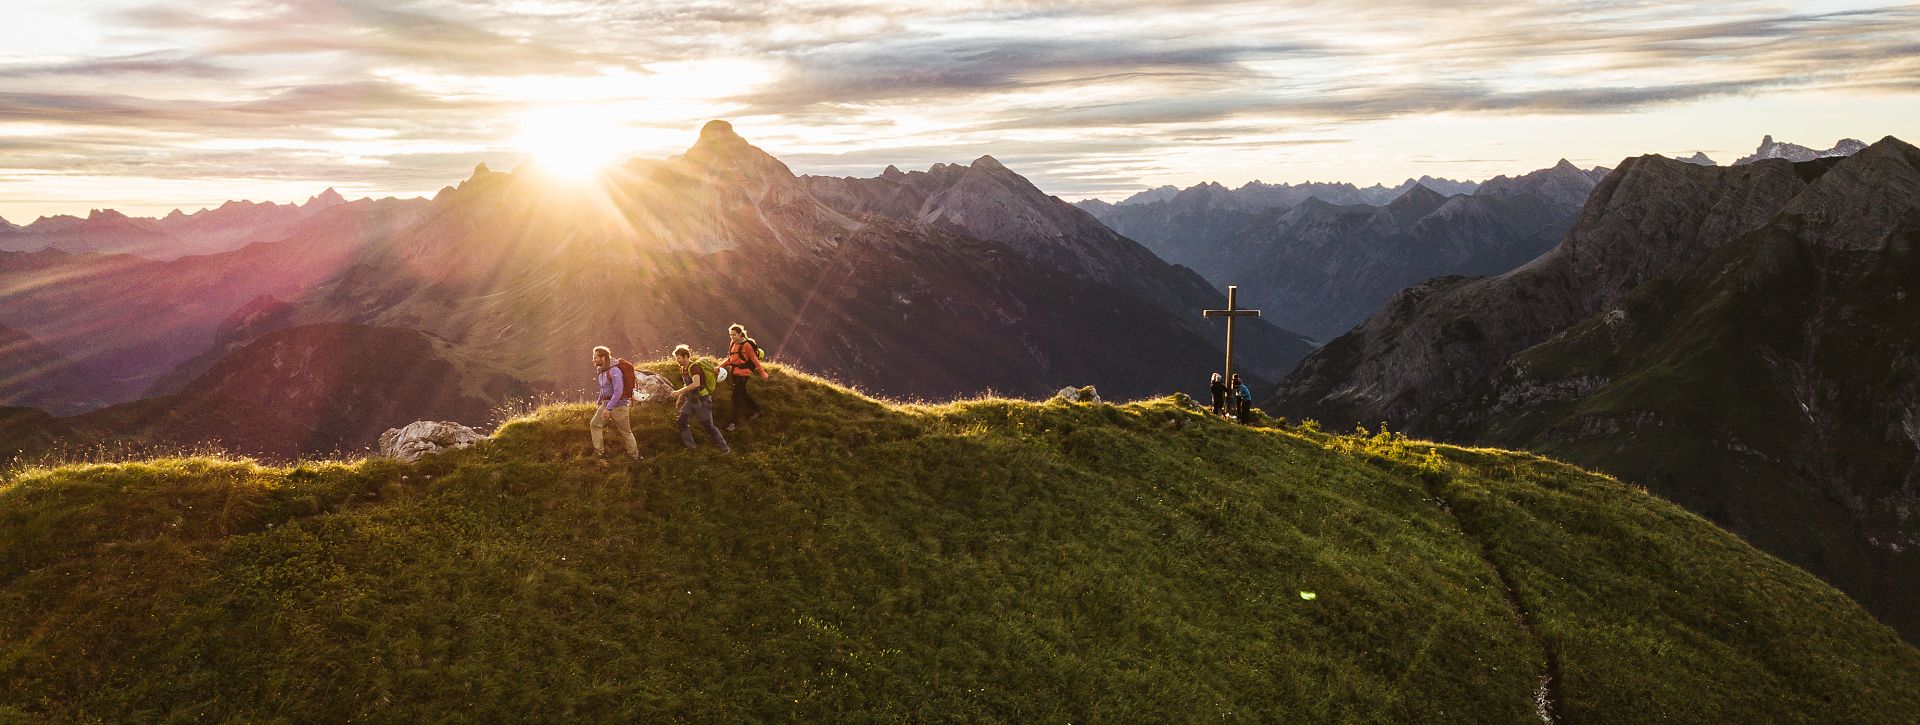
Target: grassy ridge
(987, 559)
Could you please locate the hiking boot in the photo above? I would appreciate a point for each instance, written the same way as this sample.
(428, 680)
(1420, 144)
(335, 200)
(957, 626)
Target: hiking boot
(732, 427)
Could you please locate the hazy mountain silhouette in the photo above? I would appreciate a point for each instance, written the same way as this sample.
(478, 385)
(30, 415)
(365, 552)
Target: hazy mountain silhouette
(128, 321)
(1320, 266)
(231, 226)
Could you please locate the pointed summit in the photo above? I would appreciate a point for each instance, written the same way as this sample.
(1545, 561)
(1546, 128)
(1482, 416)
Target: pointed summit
(97, 215)
(480, 170)
(720, 149)
(989, 163)
(1417, 201)
(329, 195)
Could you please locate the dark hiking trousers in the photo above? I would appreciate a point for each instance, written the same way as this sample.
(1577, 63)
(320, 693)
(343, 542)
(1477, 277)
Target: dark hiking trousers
(699, 408)
(743, 404)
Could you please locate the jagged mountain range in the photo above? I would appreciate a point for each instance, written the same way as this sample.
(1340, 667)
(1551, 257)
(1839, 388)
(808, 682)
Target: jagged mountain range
(1319, 266)
(1258, 195)
(1735, 338)
(1771, 149)
(208, 231)
(996, 287)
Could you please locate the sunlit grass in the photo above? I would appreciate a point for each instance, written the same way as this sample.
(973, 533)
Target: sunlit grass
(856, 558)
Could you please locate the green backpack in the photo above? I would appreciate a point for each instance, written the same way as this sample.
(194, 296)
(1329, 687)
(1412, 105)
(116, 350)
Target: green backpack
(713, 375)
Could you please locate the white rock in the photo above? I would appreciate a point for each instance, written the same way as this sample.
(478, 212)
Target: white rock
(651, 388)
(1078, 395)
(424, 437)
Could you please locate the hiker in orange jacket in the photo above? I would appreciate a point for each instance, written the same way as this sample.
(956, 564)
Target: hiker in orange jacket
(743, 362)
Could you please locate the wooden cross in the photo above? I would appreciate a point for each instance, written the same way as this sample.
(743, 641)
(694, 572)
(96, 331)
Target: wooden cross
(1233, 310)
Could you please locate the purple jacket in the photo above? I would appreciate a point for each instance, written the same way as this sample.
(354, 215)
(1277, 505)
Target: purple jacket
(611, 381)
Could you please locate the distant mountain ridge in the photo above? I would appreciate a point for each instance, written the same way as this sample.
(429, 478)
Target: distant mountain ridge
(1257, 195)
(178, 234)
(1319, 267)
(1771, 149)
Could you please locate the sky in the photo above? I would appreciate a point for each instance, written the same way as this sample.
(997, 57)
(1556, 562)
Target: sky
(146, 107)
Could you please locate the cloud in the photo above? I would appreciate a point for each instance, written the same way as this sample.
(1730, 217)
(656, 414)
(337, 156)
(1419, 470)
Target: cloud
(1081, 93)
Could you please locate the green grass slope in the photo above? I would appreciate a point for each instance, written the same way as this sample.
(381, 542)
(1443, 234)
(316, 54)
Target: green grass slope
(860, 560)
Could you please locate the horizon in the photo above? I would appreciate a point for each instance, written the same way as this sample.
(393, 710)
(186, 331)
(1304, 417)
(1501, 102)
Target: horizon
(187, 107)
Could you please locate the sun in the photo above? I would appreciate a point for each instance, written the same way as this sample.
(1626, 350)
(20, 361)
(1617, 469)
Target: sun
(571, 143)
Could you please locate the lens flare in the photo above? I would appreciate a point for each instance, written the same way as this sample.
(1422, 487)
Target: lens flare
(571, 143)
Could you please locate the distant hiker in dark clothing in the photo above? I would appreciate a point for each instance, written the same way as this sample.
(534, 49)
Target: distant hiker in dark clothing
(1219, 395)
(1243, 396)
(743, 362)
(698, 378)
(616, 380)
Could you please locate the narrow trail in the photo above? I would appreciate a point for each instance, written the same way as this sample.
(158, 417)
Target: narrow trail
(1546, 696)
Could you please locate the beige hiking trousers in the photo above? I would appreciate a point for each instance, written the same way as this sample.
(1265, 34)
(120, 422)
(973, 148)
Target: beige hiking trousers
(622, 422)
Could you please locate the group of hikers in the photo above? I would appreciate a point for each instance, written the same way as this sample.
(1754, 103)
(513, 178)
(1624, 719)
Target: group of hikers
(1242, 398)
(699, 378)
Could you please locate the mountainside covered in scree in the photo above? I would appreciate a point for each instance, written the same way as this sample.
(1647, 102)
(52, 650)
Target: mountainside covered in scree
(855, 559)
(1742, 340)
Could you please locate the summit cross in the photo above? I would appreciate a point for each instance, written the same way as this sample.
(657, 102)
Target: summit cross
(1233, 310)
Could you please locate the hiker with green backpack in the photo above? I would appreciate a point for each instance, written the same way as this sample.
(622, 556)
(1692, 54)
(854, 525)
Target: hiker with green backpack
(743, 361)
(698, 380)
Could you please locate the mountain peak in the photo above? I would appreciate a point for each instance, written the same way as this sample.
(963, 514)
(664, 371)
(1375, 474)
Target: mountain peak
(1417, 201)
(989, 163)
(1565, 165)
(97, 215)
(719, 148)
(718, 131)
(329, 197)
(480, 169)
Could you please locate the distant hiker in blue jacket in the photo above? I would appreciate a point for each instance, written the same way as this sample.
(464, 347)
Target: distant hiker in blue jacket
(616, 380)
(698, 379)
(1243, 397)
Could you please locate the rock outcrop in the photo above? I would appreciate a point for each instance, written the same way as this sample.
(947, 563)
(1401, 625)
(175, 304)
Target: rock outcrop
(1084, 394)
(426, 437)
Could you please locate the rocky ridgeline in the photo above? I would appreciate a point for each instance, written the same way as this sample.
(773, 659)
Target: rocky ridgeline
(1705, 331)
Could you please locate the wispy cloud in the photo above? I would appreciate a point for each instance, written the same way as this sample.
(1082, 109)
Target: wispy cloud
(1085, 97)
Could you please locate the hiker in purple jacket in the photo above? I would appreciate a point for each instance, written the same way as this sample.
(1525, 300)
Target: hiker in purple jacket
(616, 391)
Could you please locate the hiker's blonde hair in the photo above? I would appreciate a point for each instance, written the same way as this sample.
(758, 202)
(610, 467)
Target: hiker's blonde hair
(680, 350)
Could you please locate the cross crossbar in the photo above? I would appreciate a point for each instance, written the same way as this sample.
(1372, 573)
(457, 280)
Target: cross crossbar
(1233, 310)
